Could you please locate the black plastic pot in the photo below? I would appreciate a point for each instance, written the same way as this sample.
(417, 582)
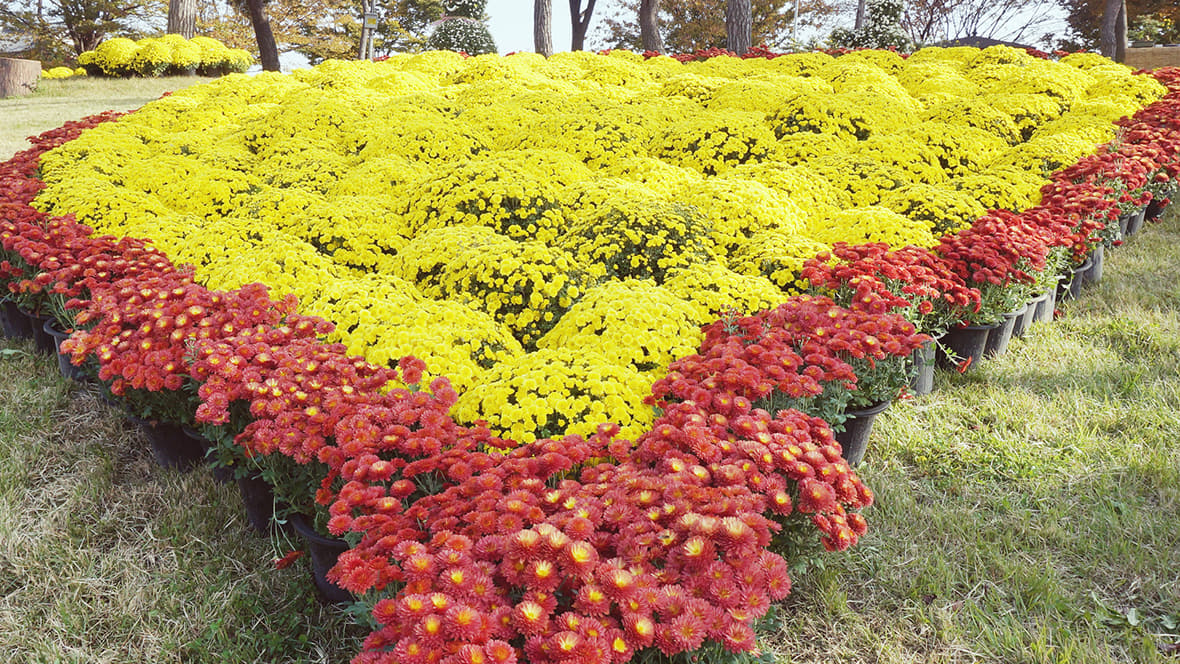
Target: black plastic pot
(1024, 322)
(1097, 260)
(67, 369)
(258, 498)
(1046, 307)
(13, 322)
(42, 340)
(323, 552)
(1135, 223)
(171, 448)
(963, 345)
(922, 359)
(1071, 287)
(854, 439)
(998, 337)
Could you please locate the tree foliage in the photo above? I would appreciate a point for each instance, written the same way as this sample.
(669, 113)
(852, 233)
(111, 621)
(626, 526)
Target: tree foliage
(882, 28)
(60, 30)
(463, 28)
(1085, 20)
(322, 29)
(1021, 21)
(691, 25)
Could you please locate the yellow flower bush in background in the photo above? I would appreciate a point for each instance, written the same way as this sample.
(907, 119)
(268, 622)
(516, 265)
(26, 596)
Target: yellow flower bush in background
(552, 233)
(170, 54)
(62, 72)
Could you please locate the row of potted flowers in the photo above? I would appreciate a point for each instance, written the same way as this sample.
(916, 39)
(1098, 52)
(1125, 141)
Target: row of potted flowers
(472, 547)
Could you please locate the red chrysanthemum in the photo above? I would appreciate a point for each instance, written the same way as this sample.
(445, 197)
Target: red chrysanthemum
(684, 633)
(816, 497)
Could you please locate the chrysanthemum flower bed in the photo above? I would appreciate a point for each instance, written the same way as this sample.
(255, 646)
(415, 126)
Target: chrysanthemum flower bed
(571, 222)
(580, 548)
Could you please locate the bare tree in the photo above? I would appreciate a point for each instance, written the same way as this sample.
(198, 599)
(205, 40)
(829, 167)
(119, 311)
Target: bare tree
(1113, 37)
(182, 17)
(860, 15)
(268, 51)
(685, 26)
(543, 27)
(580, 22)
(930, 21)
(738, 25)
(649, 26)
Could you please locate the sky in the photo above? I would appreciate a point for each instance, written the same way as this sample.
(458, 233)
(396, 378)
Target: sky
(511, 23)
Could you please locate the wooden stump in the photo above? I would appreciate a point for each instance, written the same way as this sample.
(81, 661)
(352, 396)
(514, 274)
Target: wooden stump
(18, 77)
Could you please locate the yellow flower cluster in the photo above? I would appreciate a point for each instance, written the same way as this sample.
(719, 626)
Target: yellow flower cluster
(632, 233)
(62, 72)
(880, 224)
(940, 210)
(631, 322)
(778, 256)
(718, 290)
(558, 391)
(384, 319)
(550, 233)
(525, 285)
(170, 54)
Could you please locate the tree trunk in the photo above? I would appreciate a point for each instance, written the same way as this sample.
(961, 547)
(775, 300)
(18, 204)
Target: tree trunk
(18, 77)
(1120, 34)
(543, 27)
(1110, 19)
(739, 21)
(580, 22)
(860, 15)
(182, 17)
(649, 26)
(267, 49)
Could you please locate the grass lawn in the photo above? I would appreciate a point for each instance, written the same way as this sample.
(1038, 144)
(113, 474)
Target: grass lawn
(57, 101)
(1027, 511)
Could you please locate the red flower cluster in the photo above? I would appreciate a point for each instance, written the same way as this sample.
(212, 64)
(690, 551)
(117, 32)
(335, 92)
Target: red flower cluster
(1000, 255)
(911, 281)
(1000, 248)
(547, 553)
(32, 243)
(805, 349)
